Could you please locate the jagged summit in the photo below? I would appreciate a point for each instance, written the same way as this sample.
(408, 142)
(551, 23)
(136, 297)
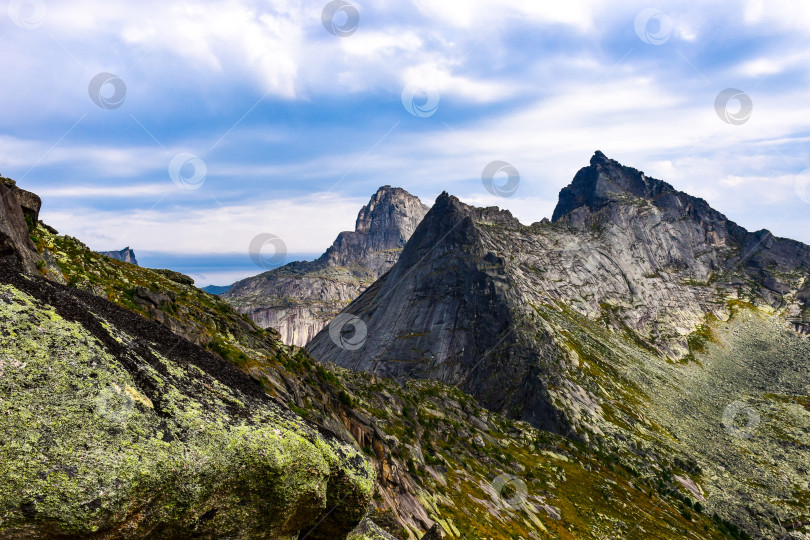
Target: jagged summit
(632, 249)
(385, 223)
(602, 182)
(299, 298)
(379, 214)
(606, 180)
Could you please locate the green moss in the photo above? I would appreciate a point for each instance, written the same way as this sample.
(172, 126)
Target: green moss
(87, 449)
(699, 339)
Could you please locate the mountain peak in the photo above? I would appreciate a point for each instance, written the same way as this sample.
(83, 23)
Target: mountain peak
(385, 223)
(299, 298)
(599, 157)
(390, 209)
(606, 183)
(603, 181)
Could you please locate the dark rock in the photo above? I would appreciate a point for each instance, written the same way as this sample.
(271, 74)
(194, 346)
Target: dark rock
(48, 228)
(177, 277)
(435, 533)
(607, 181)
(30, 202)
(369, 530)
(16, 247)
(154, 298)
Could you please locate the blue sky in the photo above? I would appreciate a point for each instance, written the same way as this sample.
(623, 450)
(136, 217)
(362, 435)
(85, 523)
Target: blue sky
(295, 127)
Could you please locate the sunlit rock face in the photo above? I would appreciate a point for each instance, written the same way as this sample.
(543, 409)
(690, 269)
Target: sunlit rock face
(126, 255)
(299, 298)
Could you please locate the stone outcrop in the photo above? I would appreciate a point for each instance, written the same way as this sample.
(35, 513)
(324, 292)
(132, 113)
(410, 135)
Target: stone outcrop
(28, 201)
(299, 298)
(16, 220)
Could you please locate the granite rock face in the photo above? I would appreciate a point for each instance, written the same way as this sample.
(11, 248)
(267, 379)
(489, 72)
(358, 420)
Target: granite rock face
(28, 201)
(299, 298)
(616, 314)
(623, 247)
(126, 255)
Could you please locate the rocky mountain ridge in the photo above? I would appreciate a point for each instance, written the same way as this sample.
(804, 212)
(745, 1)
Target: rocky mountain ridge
(591, 323)
(299, 298)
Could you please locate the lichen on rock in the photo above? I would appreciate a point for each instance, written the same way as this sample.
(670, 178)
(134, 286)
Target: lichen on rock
(123, 441)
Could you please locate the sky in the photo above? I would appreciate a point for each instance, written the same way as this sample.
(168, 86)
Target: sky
(186, 130)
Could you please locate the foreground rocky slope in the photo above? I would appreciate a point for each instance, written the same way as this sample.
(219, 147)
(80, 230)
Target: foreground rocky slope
(299, 298)
(115, 427)
(639, 321)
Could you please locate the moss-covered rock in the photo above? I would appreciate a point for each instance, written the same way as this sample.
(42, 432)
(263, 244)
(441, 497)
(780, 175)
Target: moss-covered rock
(114, 427)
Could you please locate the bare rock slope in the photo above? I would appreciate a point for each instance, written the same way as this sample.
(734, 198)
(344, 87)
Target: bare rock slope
(638, 316)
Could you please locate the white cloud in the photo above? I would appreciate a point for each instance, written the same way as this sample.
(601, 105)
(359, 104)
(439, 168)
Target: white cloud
(774, 64)
(783, 14)
(127, 191)
(434, 77)
(266, 43)
(306, 225)
(578, 14)
(109, 161)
